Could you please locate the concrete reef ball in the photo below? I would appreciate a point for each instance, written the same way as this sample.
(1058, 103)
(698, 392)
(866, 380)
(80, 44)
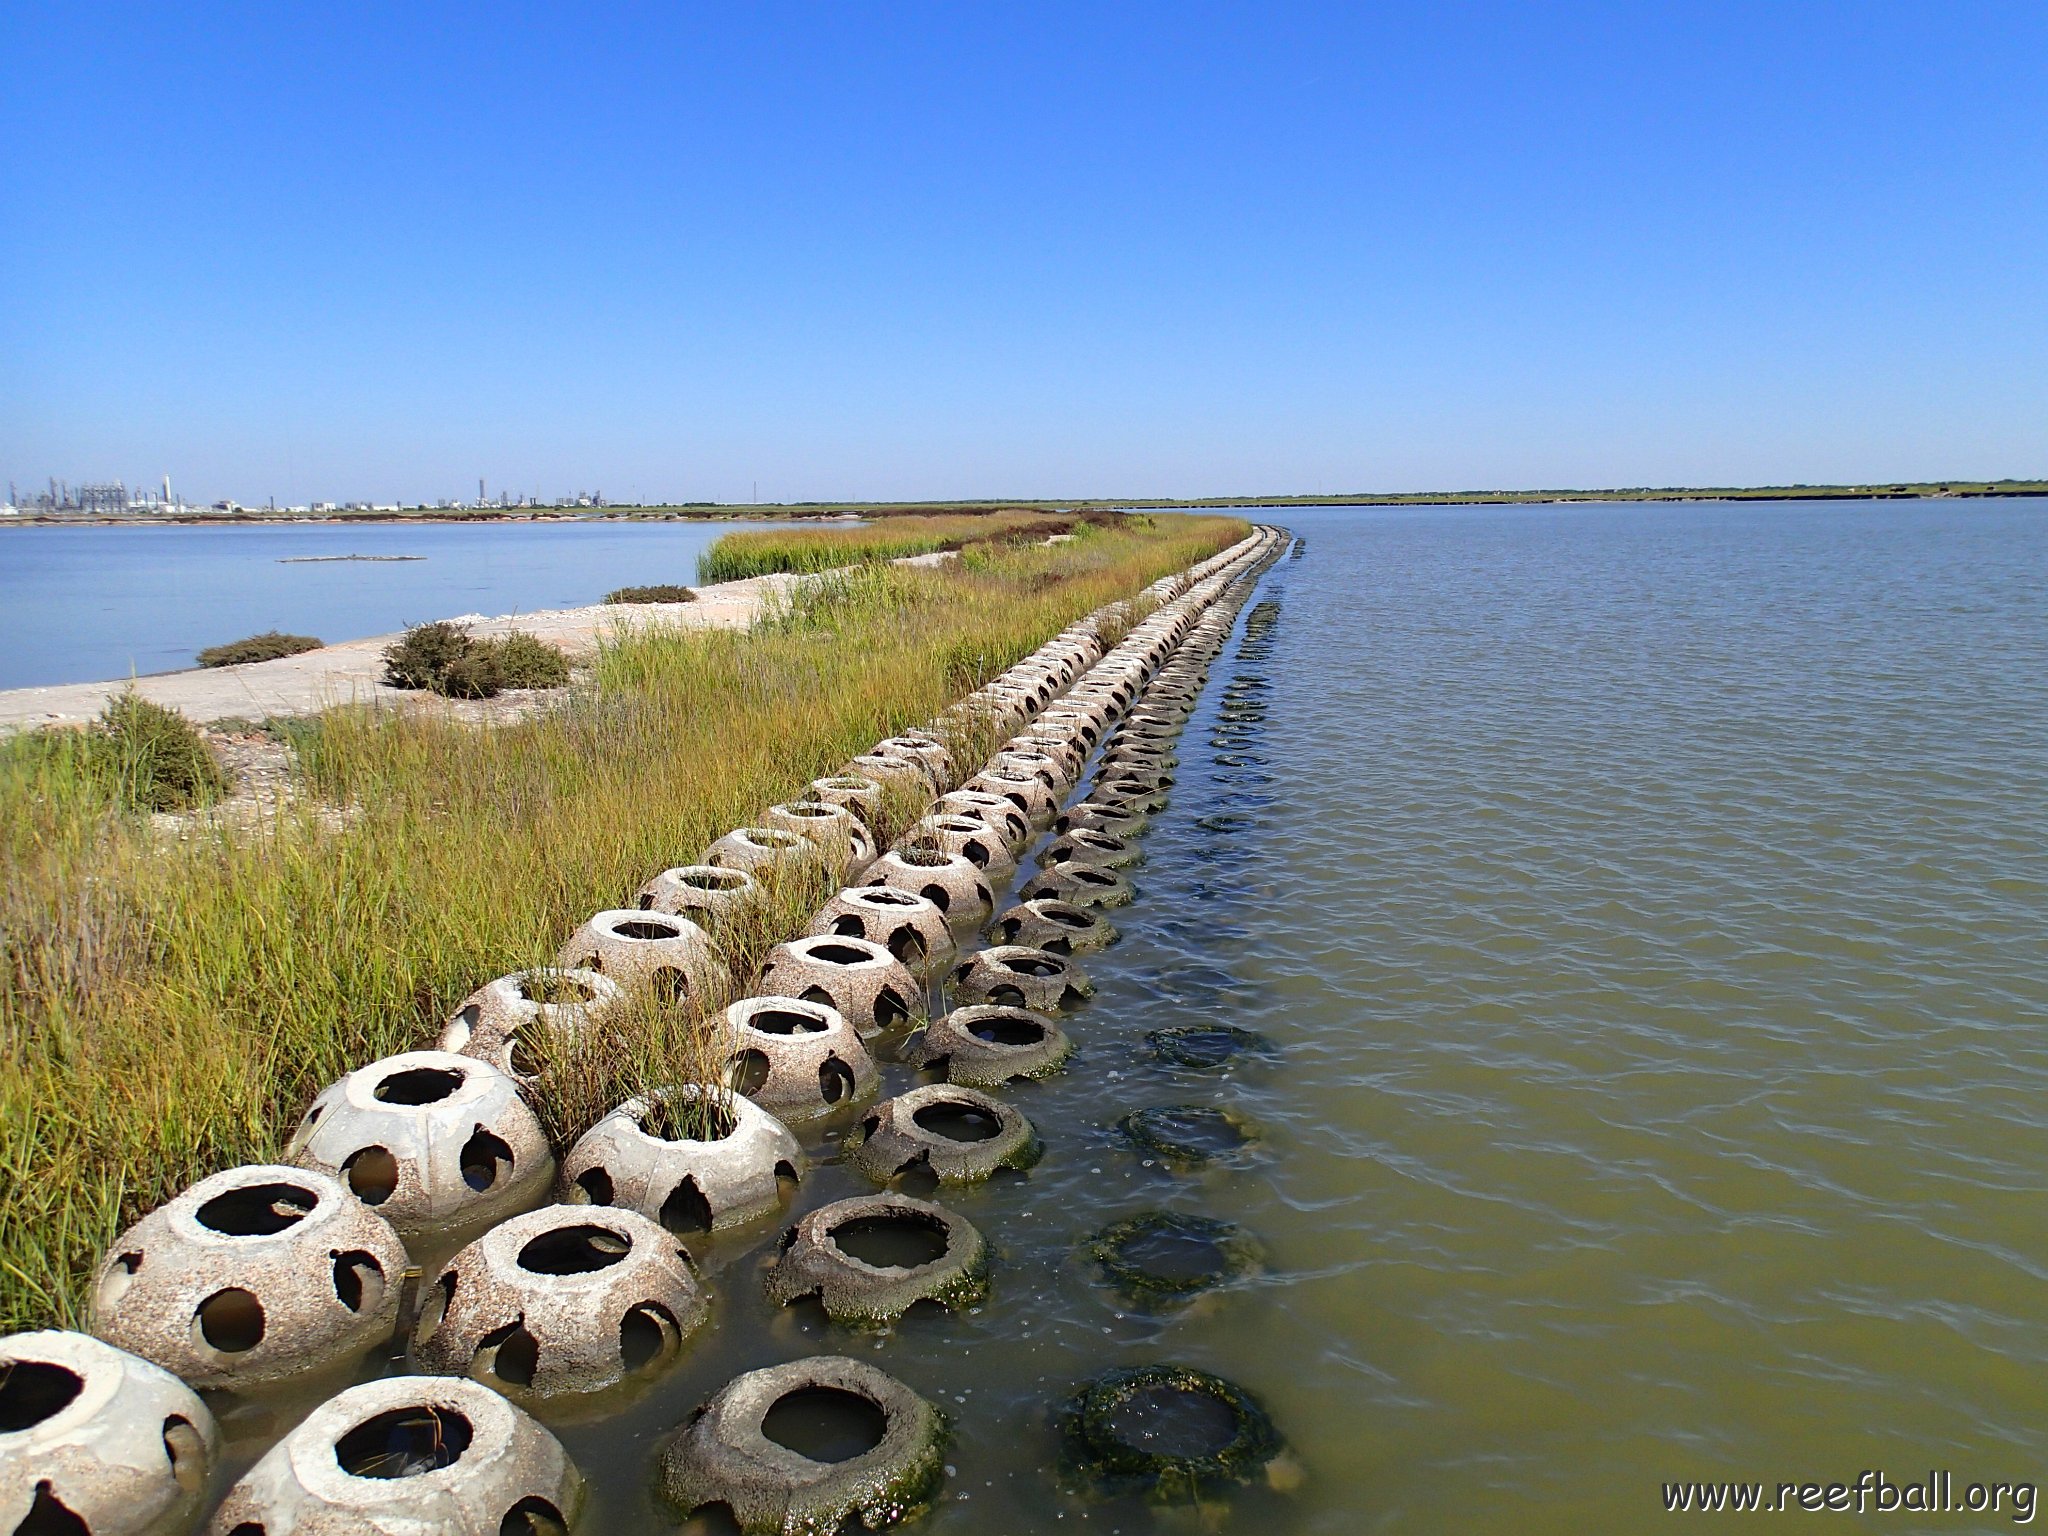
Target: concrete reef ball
(1205, 1047)
(569, 1298)
(950, 881)
(406, 1455)
(1102, 816)
(1129, 791)
(870, 986)
(1042, 766)
(705, 893)
(1139, 754)
(983, 1047)
(903, 775)
(692, 1159)
(1161, 1259)
(1091, 846)
(957, 1135)
(430, 1139)
(1166, 1431)
(841, 838)
(1065, 746)
(767, 853)
(1060, 927)
(855, 791)
(796, 1058)
(1084, 885)
(95, 1440)
(911, 928)
(993, 810)
(660, 950)
(970, 837)
(808, 1447)
(1027, 792)
(870, 1259)
(503, 1021)
(251, 1276)
(1023, 977)
(1188, 1136)
(931, 755)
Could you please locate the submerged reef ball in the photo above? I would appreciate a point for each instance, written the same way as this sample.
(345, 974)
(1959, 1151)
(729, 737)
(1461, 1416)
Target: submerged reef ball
(1160, 1259)
(96, 1440)
(1022, 977)
(984, 1046)
(407, 1455)
(1168, 1431)
(870, 1259)
(252, 1276)
(809, 1447)
(1189, 1135)
(957, 1135)
(1205, 1047)
(1084, 885)
(1091, 845)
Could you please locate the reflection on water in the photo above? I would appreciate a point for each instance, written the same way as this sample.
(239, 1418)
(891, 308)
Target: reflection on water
(1644, 908)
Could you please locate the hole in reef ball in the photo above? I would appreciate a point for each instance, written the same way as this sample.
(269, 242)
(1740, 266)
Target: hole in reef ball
(895, 1240)
(34, 1390)
(231, 1321)
(578, 1250)
(958, 1121)
(404, 1442)
(418, 1085)
(257, 1210)
(825, 1423)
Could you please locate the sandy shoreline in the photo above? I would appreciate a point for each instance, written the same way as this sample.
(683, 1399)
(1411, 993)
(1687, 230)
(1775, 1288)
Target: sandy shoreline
(351, 671)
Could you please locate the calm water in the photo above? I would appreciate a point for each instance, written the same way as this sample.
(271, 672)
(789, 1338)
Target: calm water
(1647, 906)
(81, 604)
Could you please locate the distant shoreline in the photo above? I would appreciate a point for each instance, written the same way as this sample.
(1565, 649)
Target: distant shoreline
(1954, 490)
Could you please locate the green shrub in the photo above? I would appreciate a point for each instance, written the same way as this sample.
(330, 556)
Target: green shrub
(267, 646)
(422, 655)
(152, 758)
(449, 660)
(526, 662)
(655, 594)
(474, 676)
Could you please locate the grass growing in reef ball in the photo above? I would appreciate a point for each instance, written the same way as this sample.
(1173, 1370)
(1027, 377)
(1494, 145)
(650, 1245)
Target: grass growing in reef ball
(169, 1005)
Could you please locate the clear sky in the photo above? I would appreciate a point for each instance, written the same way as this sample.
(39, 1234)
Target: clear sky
(870, 251)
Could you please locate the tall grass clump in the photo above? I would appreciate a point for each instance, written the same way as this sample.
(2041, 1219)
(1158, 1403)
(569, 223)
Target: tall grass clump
(802, 550)
(169, 1006)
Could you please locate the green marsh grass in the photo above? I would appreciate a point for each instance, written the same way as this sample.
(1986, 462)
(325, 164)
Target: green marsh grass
(169, 1005)
(767, 551)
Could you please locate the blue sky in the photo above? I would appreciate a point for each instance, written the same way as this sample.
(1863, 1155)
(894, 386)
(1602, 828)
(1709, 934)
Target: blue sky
(975, 250)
